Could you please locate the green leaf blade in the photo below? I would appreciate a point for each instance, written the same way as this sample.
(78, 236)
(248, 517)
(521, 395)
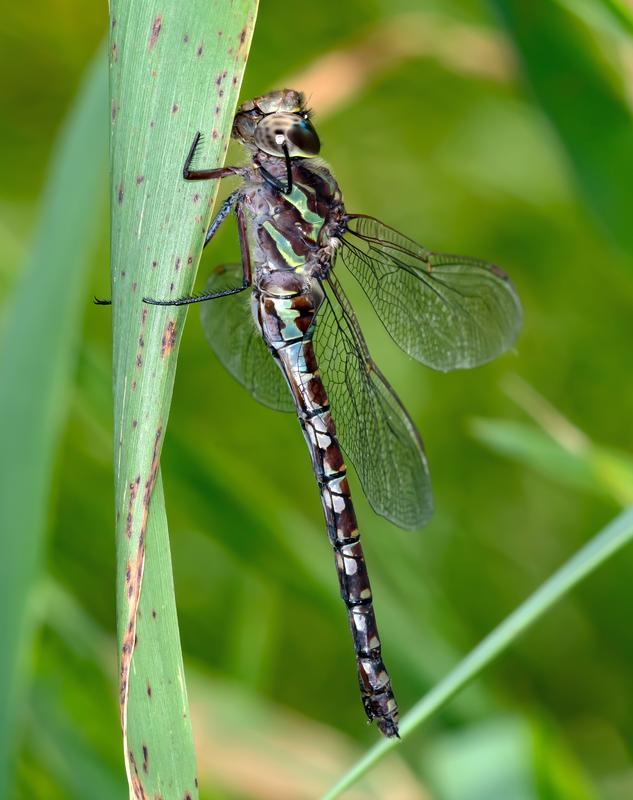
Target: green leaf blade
(37, 350)
(176, 69)
(584, 99)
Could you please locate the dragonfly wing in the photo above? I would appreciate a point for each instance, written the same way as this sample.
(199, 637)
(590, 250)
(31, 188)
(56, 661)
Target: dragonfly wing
(373, 427)
(230, 330)
(449, 312)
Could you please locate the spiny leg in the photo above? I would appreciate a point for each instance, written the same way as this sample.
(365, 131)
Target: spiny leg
(204, 174)
(225, 209)
(199, 175)
(227, 206)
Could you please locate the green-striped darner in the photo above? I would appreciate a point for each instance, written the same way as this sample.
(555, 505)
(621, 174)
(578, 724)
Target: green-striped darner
(294, 342)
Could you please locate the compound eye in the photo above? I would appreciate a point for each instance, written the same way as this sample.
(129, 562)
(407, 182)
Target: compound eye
(304, 139)
(295, 132)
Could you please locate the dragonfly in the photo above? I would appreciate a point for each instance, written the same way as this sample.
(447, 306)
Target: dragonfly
(283, 326)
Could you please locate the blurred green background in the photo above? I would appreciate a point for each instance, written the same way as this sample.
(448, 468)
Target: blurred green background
(498, 129)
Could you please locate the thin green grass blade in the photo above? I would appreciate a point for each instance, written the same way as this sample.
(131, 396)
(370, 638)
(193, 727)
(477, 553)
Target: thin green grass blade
(593, 470)
(37, 349)
(606, 543)
(176, 68)
(584, 99)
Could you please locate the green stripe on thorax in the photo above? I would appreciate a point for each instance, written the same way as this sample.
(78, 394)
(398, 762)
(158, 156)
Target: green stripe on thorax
(299, 199)
(283, 246)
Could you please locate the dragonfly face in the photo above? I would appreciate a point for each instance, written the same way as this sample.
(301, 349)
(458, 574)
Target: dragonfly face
(271, 121)
(307, 353)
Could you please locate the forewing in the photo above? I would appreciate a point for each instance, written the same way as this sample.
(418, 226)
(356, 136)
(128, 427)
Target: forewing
(449, 312)
(374, 429)
(230, 330)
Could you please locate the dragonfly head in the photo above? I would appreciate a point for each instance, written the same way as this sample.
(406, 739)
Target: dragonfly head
(274, 120)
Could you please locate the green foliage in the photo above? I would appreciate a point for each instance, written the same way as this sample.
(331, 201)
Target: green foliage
(40, 339)
(581, 91)
(428, 123)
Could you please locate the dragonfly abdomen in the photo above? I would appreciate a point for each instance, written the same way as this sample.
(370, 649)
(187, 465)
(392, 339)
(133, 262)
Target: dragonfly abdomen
(287, 322)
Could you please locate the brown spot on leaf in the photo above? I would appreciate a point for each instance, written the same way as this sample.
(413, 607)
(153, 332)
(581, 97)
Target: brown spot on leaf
(190, 260)
(149, 690)
(115, 110)
(140, 179)
(196, 198)
(185, 38)
(149, 485)
(214, 134)
(243, 33)
(134, 591)
(199, 50)
(113, 53)
(145, 758)
(154, 613)
(120, 193)
(174, 108)
(137, 785)
(130, 516)
(177, 265)
(169, 339)
(139, 360)
(134, 423)
(156, 28)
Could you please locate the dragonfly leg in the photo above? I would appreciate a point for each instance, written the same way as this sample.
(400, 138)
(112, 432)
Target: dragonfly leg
(227, 206)
(242, 233)
(198, 298)
(204, 174)
(273, 181)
